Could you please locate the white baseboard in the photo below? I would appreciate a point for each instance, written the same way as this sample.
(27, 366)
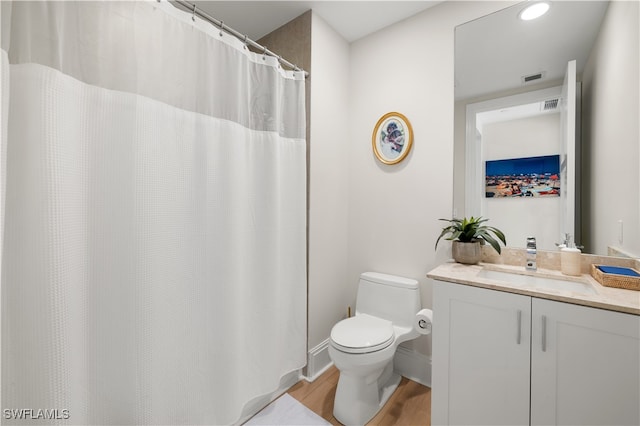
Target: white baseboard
(413, 365)
(318, 361)
(408, 363)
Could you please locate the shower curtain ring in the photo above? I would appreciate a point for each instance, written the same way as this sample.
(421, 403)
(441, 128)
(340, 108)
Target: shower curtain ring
(245, 41)
(221, 28)
(193, 17)
(264, 53)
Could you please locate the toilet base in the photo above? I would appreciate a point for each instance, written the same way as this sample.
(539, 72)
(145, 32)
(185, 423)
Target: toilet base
(357, 401)
(389, 388)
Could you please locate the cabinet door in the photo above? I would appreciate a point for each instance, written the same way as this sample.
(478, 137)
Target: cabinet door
(481, 349)
(585, 366)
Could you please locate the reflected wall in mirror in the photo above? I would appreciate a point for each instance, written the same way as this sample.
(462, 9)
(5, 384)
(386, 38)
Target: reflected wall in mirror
(500, 57)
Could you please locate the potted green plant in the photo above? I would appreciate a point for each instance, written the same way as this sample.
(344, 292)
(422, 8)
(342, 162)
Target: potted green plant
(468, 236)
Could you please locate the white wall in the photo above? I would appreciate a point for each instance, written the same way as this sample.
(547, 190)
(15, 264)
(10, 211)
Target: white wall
(329, 289)
(519, 218)
(612, 141)
(394, 210)
(365, 216)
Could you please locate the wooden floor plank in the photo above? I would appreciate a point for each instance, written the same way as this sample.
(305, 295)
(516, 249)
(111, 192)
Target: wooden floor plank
(410, 404)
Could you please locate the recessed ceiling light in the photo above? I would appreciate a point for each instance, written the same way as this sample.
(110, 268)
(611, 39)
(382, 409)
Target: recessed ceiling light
(534, 11)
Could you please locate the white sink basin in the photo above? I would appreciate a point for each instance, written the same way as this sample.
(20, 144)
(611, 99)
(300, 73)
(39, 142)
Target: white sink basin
(537, 282)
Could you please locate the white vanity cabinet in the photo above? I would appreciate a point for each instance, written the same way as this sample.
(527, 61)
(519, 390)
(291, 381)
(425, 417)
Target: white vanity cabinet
(480, 366)
(508, 359)
(585, 365)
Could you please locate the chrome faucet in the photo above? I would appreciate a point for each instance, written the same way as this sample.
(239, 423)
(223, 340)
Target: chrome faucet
(531, 254)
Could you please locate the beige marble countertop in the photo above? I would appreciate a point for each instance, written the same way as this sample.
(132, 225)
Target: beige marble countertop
(609, 298)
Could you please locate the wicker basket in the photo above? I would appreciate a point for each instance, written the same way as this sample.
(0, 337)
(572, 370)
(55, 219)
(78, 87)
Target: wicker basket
(614, 280)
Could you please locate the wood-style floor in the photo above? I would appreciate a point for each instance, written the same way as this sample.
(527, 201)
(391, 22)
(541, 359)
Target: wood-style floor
(410, 404)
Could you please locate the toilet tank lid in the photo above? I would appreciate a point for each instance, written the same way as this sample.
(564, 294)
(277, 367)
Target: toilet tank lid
(391, 280)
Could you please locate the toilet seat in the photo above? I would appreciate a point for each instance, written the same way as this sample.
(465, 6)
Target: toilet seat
(362, 334)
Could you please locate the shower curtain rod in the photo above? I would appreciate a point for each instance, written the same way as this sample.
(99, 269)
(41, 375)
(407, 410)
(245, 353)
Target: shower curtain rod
(191, 7)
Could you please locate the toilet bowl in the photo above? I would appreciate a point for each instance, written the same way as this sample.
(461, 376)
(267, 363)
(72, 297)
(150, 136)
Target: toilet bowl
(362, 347)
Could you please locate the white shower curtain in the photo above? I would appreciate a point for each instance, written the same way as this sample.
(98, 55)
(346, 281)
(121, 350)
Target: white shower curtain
(154, 252)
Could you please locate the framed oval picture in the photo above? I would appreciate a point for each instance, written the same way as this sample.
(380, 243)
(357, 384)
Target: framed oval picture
(392, 138)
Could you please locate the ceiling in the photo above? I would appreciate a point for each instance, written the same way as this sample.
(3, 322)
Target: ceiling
(492, 53)
(351, 19)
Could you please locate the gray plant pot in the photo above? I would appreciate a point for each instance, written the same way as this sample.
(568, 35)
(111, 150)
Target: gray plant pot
(467, 253)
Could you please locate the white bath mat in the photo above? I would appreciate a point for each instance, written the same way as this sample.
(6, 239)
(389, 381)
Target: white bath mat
(286, 410)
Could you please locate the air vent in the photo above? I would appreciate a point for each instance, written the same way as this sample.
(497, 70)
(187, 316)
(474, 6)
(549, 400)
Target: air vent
(527, 79)
(550, 104)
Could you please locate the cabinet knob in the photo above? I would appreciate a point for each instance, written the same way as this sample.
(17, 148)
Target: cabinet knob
(519, 325)
(544, 333)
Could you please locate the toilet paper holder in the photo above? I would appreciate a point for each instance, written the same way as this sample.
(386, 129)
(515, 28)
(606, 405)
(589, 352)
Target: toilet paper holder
(423, 323)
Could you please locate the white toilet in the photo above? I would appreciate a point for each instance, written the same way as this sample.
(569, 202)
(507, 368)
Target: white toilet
(362, 347)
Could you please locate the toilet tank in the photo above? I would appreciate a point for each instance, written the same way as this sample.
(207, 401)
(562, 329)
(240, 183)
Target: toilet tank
(393, 298)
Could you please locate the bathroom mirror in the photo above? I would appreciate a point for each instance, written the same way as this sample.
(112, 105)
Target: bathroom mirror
(500, 59)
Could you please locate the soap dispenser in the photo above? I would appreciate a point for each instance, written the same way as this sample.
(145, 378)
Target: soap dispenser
(570, 258)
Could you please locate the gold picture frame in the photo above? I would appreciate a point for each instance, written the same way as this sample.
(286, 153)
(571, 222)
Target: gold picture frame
(392, 138)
